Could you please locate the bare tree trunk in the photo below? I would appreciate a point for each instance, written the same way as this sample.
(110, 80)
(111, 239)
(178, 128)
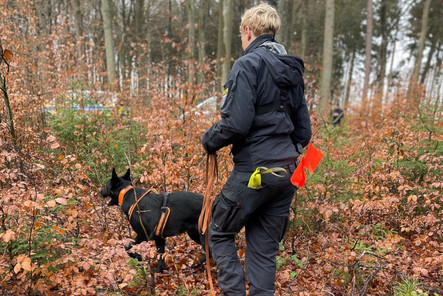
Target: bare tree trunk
(425, 71)
(349, 83)
(367, 55)
(78, 24)
(391, 66)
(381, 59)
(203, 8)
(304, 28)
(220, 49)
(109, 42)
(191, 40)
(191, 29)
(284, 7)
(325, 84)
(8, 106)
(140, 58)
(228, 8)
(421, 42)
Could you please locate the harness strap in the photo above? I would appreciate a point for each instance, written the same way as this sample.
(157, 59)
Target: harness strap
(122, 193)
(131, 209)
(160, 227)
(280, 105)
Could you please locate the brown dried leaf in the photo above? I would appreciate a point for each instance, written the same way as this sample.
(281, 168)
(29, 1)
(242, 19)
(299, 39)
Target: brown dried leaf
(7, 55)
(17, 268)
(54, 145)
(61, 200)
(51, 203)
(26, 264)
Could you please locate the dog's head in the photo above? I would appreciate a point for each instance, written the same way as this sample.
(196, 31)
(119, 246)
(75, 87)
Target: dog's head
(115, 185)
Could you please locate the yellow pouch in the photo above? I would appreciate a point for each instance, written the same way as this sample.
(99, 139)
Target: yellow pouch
(255, 179)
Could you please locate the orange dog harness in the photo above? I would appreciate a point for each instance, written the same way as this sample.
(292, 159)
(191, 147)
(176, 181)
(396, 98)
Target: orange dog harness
(166, 211)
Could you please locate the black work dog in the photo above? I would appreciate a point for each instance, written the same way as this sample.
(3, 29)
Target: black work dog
(185, 208)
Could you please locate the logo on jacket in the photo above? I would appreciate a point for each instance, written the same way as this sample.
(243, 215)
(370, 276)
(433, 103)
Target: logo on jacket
(225, 94)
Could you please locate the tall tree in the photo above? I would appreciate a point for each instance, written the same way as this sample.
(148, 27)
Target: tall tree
(78, 23)
(325, 84)
(109, 41)
(435, 36)
(191, 28)
(220, 44)
(285, 11)
(140, 52)
(202, 15)
(228, 8)
(421, 42)
(382, 55)
(303, 33)
(191, 39)
(368, 51)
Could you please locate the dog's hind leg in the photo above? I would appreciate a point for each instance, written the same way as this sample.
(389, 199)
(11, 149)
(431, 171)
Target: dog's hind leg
(160, 245)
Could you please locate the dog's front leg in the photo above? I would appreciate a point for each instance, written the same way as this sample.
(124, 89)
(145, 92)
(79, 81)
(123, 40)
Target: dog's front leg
(160, 245)
(138, 239)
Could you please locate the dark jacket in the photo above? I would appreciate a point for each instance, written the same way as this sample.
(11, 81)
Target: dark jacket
(256, 79)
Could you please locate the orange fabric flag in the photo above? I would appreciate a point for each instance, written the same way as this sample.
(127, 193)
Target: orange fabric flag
(310, 162)
(298, 178)
(312, 158)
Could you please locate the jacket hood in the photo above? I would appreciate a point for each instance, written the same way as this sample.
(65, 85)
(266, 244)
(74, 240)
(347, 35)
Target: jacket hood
(286, 70)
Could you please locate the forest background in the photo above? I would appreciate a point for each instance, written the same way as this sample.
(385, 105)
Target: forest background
(367, 222)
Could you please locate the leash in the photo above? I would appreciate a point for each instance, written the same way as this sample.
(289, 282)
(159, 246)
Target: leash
(205, 215)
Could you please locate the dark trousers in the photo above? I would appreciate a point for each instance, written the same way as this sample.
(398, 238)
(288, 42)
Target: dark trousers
(264, 213)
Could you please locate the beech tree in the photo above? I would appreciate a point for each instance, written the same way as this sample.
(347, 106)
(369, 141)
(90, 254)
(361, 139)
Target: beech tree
(109, 41)
(421, 42)
(228, 10)
(368, 53)
(325, 84)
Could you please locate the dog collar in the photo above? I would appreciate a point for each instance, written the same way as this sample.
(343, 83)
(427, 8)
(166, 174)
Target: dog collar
(122, 193)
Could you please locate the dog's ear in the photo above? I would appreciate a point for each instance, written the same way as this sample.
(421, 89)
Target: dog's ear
(127, 176)
(114, 177)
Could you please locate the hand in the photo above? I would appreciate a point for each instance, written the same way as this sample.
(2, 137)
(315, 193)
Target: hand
(208, 149)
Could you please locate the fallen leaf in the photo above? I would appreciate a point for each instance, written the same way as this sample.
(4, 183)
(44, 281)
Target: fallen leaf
(54, 145)
(17, 267)
(8, 236)
(7, 55)
(51, 204)
(26, 264)
(61, 201)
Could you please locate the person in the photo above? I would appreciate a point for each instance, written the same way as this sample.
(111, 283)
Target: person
(265, 118)
(337, 115)
(122, 111)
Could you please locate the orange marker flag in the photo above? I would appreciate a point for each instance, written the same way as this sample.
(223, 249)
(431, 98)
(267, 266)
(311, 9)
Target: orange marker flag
(298, 178)
(310, 162)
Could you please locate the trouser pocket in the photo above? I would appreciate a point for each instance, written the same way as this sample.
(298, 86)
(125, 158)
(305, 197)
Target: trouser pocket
(226, 214)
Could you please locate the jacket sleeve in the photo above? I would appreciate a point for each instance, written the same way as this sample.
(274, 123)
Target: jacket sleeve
(302, 123)
(237, 113)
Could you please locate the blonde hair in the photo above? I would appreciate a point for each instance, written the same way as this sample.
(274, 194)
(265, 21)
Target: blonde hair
(262, 19)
